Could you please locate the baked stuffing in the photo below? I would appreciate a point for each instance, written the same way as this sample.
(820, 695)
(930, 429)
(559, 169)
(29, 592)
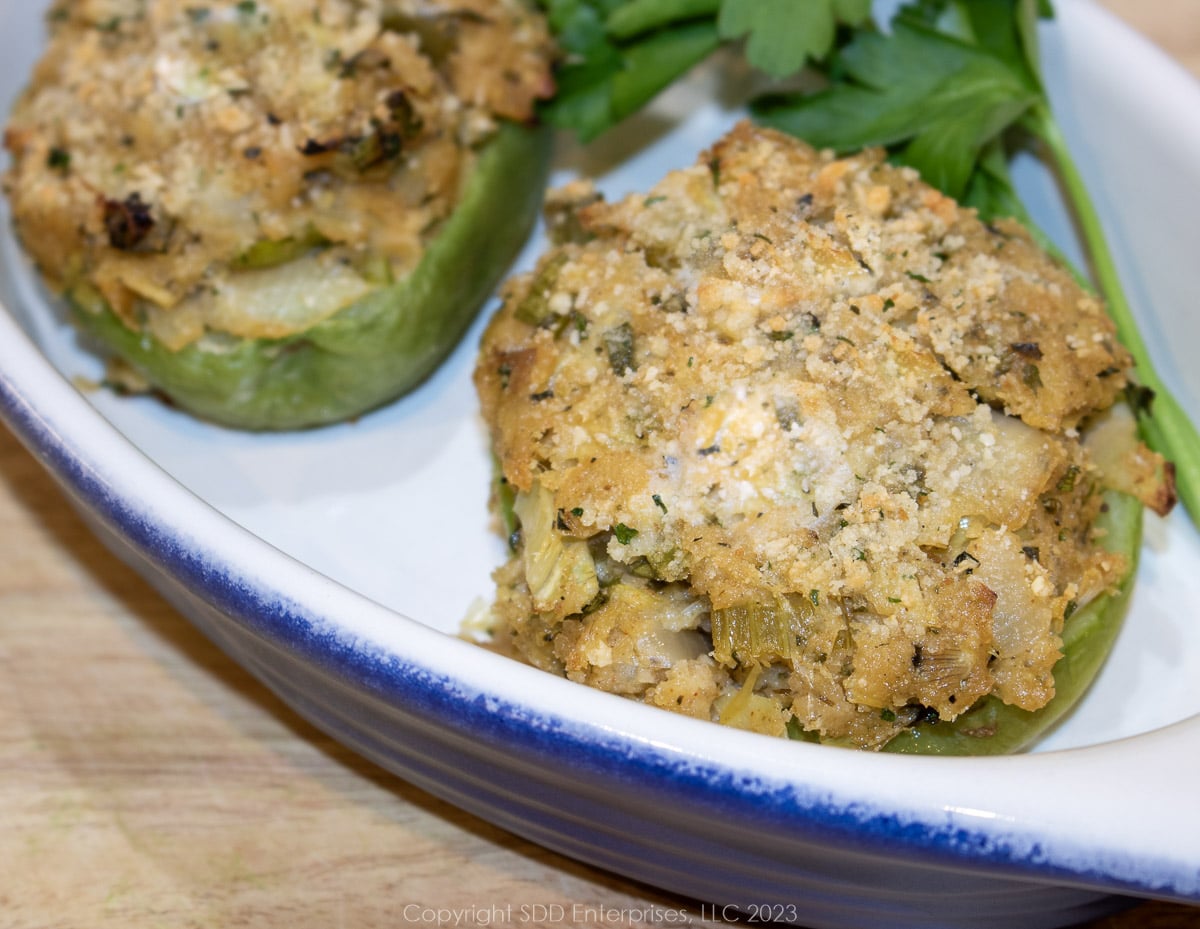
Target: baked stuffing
(796, 443)
(217, 170)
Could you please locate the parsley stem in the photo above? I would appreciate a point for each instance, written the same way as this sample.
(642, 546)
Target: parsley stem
(1167, 428)
(635, 17)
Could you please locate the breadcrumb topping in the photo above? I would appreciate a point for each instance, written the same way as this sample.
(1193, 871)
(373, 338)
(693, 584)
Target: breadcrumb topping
(165, 152)
(804, 437)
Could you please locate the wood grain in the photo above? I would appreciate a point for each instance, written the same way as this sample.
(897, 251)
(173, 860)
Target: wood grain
(147, 781)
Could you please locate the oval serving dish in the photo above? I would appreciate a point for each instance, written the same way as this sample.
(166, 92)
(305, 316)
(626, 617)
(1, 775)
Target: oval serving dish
(337, 565)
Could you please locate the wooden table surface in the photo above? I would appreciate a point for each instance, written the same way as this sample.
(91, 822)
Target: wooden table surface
(147, 781)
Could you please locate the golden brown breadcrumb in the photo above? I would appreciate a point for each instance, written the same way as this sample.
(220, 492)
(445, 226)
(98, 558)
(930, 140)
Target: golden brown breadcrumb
(795, 442)
(172, 154)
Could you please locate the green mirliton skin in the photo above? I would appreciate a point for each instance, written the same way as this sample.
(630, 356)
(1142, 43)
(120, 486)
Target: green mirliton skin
(995, 728)
(372, 351)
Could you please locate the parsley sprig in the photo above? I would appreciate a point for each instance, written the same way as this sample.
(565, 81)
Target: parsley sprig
(1164, 424)
(619, 54)
(938, 100)
(950, 87)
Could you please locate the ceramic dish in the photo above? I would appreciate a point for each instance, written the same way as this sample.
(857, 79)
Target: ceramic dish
(336, 565)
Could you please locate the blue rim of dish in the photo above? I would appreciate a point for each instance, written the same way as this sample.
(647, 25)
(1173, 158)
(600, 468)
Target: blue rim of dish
(785, 810)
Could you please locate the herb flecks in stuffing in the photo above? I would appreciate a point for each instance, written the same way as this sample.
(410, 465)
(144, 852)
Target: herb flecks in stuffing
(875, 522)
(154, 151)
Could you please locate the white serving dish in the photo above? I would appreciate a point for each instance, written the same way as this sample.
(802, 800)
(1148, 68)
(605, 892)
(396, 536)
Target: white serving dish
(337, 565)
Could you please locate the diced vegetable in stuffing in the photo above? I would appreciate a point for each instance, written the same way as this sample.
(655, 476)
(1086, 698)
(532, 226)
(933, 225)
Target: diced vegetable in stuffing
(836, 450)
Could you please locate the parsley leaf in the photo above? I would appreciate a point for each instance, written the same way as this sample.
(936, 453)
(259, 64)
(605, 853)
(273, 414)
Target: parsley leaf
(1005, 28)
(935, 99)
(991, 190)
(782, 35)
(611, 71)
(619, 54)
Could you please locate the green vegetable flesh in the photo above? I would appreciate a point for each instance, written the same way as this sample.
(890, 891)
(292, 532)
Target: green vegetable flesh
(374, 350)
(506, 498)
(560, 571)
(753, 632)
(271, 253)
(992, 727)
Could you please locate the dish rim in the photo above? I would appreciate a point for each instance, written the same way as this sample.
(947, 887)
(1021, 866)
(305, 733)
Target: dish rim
(832, 804)
(846, 799)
